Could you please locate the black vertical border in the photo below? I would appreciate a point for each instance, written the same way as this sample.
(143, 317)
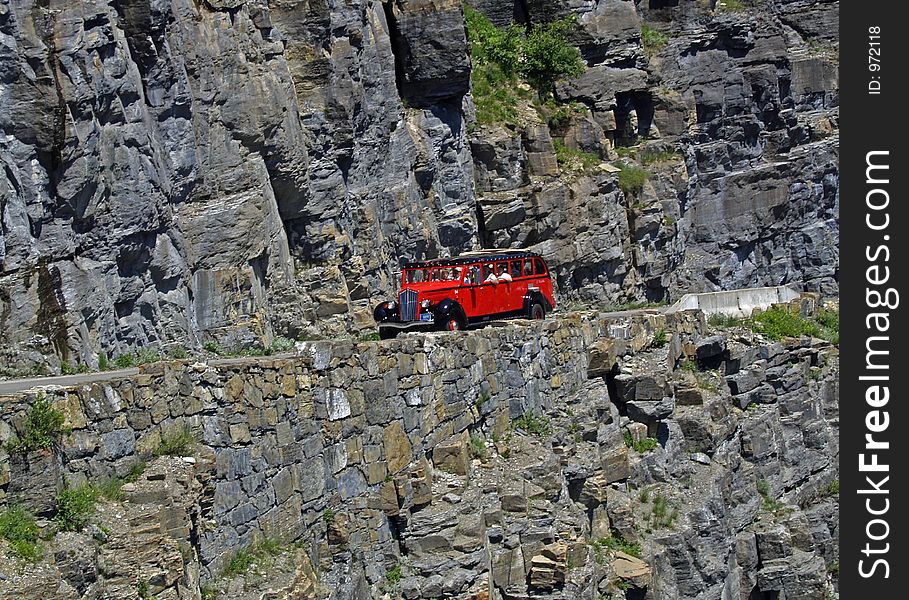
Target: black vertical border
(871, 122)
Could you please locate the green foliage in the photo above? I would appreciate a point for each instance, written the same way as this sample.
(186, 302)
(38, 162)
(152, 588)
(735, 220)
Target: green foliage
(135, 471)
(721, 320)
(660, 338)
(570, 159)
(103, 362)
(778, 322)
(67, 369)
(179, 442)
(477, 446)
(125, 361)
(19, 529)
(370, 337)
(503, 56)
(644, 496)
(643, 446)
(538, 425)
(548, 56)
(769, 504)
(829, 320)
(259, 553)
(559, 116)
(240, 563)
(283, 344)
(705, 380)
(208, 592)
(213, 347)
(328, 515)
(143, 589)
(178, 352)
(662, 514)
(833, 488)
(43, 428)
(649, 157)
(615, 542)
(75, 507)
(732, 5)
(652, 39)
(111, 488)
(632, 178)
(393, 575)
(626, 151)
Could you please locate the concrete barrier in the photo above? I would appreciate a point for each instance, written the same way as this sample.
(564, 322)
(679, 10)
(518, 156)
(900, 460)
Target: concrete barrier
(735, 303)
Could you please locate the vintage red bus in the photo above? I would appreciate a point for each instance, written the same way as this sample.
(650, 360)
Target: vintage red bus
(470, 289)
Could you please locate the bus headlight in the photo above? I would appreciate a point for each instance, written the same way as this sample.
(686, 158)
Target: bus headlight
(391, 305)
(425, 304)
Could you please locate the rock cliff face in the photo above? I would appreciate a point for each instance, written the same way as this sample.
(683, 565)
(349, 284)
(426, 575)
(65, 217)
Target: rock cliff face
(180, 171)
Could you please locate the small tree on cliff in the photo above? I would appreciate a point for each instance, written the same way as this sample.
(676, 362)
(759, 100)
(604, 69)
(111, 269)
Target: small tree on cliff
(548, 56)
(541, 55)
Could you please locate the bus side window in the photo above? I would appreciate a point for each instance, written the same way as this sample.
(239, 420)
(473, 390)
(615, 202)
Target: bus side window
(515, 269)
(539, 268)
(528, 268)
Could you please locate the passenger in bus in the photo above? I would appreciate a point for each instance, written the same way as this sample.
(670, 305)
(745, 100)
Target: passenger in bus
(503, 273)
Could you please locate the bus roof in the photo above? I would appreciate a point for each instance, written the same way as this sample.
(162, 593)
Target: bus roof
(472, 257)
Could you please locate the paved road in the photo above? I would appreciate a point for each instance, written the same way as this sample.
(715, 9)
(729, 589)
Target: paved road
(12, 386)
(17, 385)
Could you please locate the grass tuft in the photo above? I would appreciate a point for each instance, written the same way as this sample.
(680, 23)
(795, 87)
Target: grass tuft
(43, 428)
(538, 425)
(19, 529)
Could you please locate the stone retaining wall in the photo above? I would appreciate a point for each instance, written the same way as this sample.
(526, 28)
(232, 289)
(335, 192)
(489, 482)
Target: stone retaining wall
(342, 426)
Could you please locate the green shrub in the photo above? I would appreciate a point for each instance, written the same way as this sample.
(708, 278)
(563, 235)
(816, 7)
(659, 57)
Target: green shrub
(643, 446)
(178, 352)
(833, 488)
(732, 5)
(662, 514)
(778, 322)
(67, 369)
(477, 446)
(75, 507)
(283, 344)
(660, 338)
(125, 361)
(260, 552)
(147, 355)
(502, 56)
(177, 443)
(538, 425)
(19, 529)
(721, 320)
(135, 472)
(112, 488)
(615, 542)
(328, 515)
(548, 56)
(632, 178)
(571, 159)
(652, 39)
(43, 428)
(393, 575)
(103, 362)
(213, 347)
(370, 337)
(649, 157)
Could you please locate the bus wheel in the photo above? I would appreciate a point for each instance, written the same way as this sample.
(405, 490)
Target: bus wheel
(537, 311)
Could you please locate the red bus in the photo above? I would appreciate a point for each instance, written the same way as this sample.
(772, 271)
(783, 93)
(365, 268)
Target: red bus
(470, 289)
